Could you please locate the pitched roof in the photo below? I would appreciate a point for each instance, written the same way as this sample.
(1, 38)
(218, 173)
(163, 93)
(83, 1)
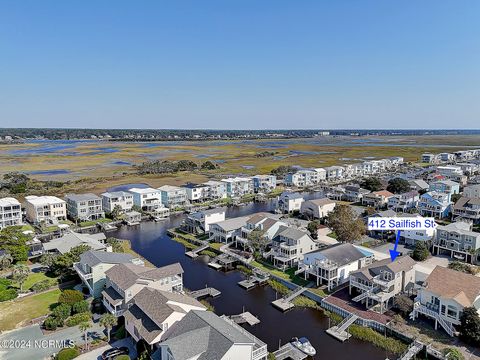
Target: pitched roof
(150, 307)
(233, 223)
(321, 202)
(204, 336)
(452, 284)
(71, 239)
(291, 233)
(126, 275)
(401, 263)
(384, 193)
(341, 254)
(93, 258)
(465, 201)
(82, 197)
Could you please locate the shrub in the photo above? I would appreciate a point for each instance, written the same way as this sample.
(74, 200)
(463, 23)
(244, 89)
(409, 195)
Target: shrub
(43, 285)
(122, 357)
(5, 283)
(8, 294)
(62, 311)
(421, 252)
(377, 339)
(70, 297)
(67, 354)
(80, 307)
(51, 323)
(453, 354)
(78, 318)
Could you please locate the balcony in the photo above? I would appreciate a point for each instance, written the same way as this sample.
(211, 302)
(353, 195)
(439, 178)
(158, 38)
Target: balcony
(85, 276)
(111, 309)
(360, 285)
(384, 283)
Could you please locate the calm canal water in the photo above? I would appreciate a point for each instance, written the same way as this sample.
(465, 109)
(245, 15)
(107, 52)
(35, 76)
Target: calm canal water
(152, 242)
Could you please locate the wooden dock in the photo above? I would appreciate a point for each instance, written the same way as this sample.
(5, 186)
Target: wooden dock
(288, 351)
(214, 265)
(245, 318)
(285, 303)
(339, 331)
(206, 292)
(247, 284)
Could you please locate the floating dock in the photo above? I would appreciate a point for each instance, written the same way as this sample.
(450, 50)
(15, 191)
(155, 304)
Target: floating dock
(288, 351)
(206, 292)
(285, 303)
(215, 265)
(339, 331)
(247, 284)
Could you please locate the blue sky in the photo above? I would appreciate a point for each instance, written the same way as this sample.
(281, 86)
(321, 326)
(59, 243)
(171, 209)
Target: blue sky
(241, 64)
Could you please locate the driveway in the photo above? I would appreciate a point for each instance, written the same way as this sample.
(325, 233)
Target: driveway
(38, 346)
(97, 353)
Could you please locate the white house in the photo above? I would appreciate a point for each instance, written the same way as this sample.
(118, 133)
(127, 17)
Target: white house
(472, 191)
(148, 199)
(84, 206)
(216, 189)
(302, 178)
(10, 212)
(444, 295)
(227, 230)
(404, 202)
(200, 222)
(317, 209)
(197, 192)
(289, 202)
(334, 172)
(123, 199)
(377, 199)
(173, 196)
(264, 183)
(238, 186)
(332, 266)
(47, 209)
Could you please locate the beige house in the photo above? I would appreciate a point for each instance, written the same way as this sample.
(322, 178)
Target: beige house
(45, 209)
(444, 295)
(124, 281)
(377, 199)
(317, 209)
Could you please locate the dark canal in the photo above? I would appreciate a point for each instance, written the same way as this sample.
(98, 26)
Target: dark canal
(151, 241)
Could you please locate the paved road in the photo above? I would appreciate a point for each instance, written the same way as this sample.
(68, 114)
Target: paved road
(37, 346)
(97, 353)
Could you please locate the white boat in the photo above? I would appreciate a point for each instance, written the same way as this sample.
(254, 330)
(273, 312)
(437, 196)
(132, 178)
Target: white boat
(304, 346)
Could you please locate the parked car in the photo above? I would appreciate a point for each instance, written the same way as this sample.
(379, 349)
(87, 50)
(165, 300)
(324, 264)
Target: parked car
(111, 354)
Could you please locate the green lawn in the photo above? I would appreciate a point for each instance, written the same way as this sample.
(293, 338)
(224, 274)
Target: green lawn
(34, 278)
(15, 312)
(287, 275)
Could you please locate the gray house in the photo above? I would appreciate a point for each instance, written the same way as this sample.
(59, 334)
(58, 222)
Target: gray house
(84, 207)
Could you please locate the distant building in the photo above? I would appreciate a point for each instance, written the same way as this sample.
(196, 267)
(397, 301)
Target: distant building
(45, 209)
(196, 192)
(302, 178)
(457, 240)
(472, 191)
(445, 186)
(264, 183)
(238, 186)
(435, 204)
(84, 207)
(418, 185)
(122, 199)
(354, 193)
(199, 222)
(173, 196)
(10, 212)
(289, 202)
(467, 209)
(216, 189)
(317, 209)
(147, 199)
(377, 199)
(334, 173)
(429, 158)
(403, 202)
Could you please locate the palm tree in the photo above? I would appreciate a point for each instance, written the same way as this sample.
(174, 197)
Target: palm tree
(108, 321)
(84, 326)
(20, 274)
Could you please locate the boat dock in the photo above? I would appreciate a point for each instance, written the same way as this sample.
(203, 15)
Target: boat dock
(245, 318)
(194, 253)
(206, 292)
(223, 261)
(339, 331)
(288, 351)
(258, 277)
(285, 303)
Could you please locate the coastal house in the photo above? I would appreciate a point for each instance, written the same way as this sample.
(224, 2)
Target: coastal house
(302, 178)
(151, 313)
(435, 204)
(216, 189)
(446, 157)
(317, 209)
(457, 240)
(148, 199)
(238, 186)
(404, 202)
(469, 168)
(227, 230)
(377, 284)
(352, 170)
(322, 174)
(125, 280)
(335, 192)
(334, 173)
(377, 199)
(445, 186)
(289, 246)
(332, 266)
(264, 183)
(196, 192)
(45, 209)
(71, 239)
(199, 222)
(411, 237)
(472, 191)
(464, 155)
(267, 223)
(354, 193)
(92, 267)
(444, 295)
(84, 207)
(419, 185)
(289, 202)
(205, 335)
(10, 212)
(449, 170)
(430, 158)
(121, 199)
(467, 209)
(173, 196)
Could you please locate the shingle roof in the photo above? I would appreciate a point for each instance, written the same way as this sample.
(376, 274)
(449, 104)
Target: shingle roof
(290, 232)
(233, 224)
(203, 335)
(451, 284)
(93, 258)
(341, 254)
(401, 263)
(126, 275)
(82, 197)
(71, 239)
(321, 202)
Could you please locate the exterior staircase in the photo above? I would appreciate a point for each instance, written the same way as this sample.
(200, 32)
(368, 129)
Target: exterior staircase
(418, 308)
(346, 323)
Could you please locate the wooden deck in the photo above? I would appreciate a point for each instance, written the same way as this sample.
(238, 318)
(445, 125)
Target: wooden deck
(245, 317)
(208, 291)
(288, 351)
